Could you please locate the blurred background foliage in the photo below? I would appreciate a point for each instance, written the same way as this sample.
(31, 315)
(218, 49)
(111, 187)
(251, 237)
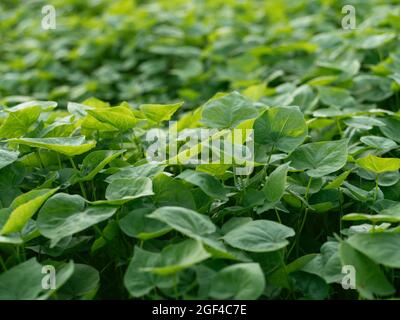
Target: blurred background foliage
(166, 50)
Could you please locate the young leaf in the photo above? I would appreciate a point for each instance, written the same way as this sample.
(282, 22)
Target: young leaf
(159, 112)
(379, 165)
(19, 122)
(24, 207)
(120, 118)
(276, 182)
(338, 181)
(95, 162)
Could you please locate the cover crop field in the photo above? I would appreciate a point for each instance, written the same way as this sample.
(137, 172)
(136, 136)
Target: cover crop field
(212, 149)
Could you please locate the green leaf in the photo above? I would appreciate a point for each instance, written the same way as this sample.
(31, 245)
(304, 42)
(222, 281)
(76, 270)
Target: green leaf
(368, 87)
(186, 221)
(139, 282)
(382, 247)
(90, 124)
(137, 224)
(283, 128)
(242, 281)
(234, 223)
(11, 239)
(259, 236)
(280, 277)
(22, 282)
(379, 143)
(7, 157)
(219, 250)
(24, 207)
(311, 286)
(335, 97)
(372, 217)
(19, 121)
(172, 192)
(94, 162)
(120, 118)
(63, 274)
(276, 182)
(145, 170)
(326, 265)
(10, 179)
(179, 256)
(373, 41)
(83, 283)
(337, 182)
(93, 102)
(69, 146)
(63, 215)
(378, 165)
(370, 280)
(209, 184)
(159, 112)
(391, 128)
(228, 111)
(121, 191)
(320, 158)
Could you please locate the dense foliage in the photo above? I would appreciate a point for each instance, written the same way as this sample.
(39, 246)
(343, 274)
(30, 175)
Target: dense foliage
(77, 191)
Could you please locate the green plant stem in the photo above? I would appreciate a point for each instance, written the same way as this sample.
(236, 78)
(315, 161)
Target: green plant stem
(376, 188)
(59, 161)
(341, 208)
(98, 230)
(306, 208)
(176, 286)
(265, 168)
(17, 254)
(80, 183)
(3, 265)
(40, 159)
(298, 233)
(23, 252)
(339, 127)
(93, 185)
(277, 215)
(282, 256)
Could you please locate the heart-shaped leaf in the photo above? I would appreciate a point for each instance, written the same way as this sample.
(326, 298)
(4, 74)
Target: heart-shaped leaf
(283, 128)
(259, 236)
(320, 158)
(63, 215)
